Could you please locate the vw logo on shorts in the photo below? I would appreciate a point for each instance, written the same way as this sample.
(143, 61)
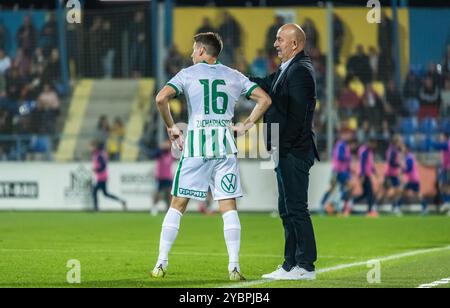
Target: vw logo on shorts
(229, 183)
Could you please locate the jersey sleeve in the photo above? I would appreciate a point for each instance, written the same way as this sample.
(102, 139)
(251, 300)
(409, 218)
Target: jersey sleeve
(178, 82)
(247, 86)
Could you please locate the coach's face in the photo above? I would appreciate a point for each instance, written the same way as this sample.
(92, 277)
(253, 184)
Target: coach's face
(284, 44)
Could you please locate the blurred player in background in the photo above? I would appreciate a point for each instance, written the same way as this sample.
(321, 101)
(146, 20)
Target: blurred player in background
(100, 168)
(366, 172)
(341, 164)
(392, 186)
(411, 189)
(444, 171)
(209, 160)
(164, 177)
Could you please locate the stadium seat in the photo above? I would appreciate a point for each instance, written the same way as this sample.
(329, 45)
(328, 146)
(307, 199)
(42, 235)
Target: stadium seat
(379, 88)
(341, 70)
(424, 143)
(357, 86)
(410, 141)
(444, 126)
(412, 105)
(429, 126)
(408, 126)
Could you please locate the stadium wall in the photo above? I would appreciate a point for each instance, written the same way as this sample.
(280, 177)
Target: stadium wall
(431, 29)
(67, 187)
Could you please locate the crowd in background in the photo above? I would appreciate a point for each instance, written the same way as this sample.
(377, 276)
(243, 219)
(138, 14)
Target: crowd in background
(111, 137)
(30, 87)
(112, 47)
(367, 96)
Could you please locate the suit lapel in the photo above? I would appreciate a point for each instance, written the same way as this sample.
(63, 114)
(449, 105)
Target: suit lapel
(285, 73)
(275, 80)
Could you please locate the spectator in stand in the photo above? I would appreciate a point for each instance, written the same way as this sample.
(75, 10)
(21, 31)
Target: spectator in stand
(240, 62)
(365, 132)
(429, 97)
(318, 61)
(103, 129)
(394, 100)
(271, 33)
(260, 66)
(38, 58)
(385, 40)
(108, 51)
(231, 32)
(139, 50)
(432, 70)
(116, 136)
(2, 87)
(48, 38)
(338, 37)
(52, 72)
(374, 61)
(386, 134)
(372, 107)
(5, 62)
(26, 36)
(206, 26)
(94, 43)
(446, 61)
(48, 104)
(349, 103)
(311, 33)
(3, 36)
(22, 62)
(14, 86)
(174, 61)
(445, 98)
(359, 65)
(411, 94)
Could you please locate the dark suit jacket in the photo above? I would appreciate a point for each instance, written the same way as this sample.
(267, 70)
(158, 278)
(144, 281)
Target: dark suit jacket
(293, 105)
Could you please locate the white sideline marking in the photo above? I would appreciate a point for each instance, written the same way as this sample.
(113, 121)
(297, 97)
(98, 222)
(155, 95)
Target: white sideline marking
(434, 284)
(344, 266)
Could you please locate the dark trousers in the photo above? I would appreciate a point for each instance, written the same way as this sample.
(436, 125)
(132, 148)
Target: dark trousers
(368, 194)
(101, 186)
(293, 182)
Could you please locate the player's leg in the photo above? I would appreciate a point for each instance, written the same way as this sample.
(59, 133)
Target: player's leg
(156, 199)
(232, 234)
(226, 187)
(368, 191)
(167, 197)
(190, 183)
(169, 233)
(104, 189)
(328, 193)
(95, 196)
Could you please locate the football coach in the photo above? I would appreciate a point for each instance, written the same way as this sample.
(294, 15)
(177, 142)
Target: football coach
(293, 92)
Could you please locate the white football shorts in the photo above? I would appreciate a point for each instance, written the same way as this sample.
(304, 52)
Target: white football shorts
(196, 175)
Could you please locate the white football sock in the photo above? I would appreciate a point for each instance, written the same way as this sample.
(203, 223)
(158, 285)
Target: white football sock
(232, 232)
(169, 233)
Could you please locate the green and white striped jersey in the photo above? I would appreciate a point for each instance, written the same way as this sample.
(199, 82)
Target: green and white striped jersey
(211, 93)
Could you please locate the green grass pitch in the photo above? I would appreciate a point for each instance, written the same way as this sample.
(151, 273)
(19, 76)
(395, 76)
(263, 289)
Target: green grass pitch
(119, 250)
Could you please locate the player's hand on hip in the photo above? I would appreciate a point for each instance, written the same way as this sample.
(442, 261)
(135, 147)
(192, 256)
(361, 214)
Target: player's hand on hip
(176, 136)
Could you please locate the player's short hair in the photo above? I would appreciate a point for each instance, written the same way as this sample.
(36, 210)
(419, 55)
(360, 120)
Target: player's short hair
(211, 41)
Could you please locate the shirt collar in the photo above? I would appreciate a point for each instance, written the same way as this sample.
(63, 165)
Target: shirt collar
(217, 62)
(286, 64)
